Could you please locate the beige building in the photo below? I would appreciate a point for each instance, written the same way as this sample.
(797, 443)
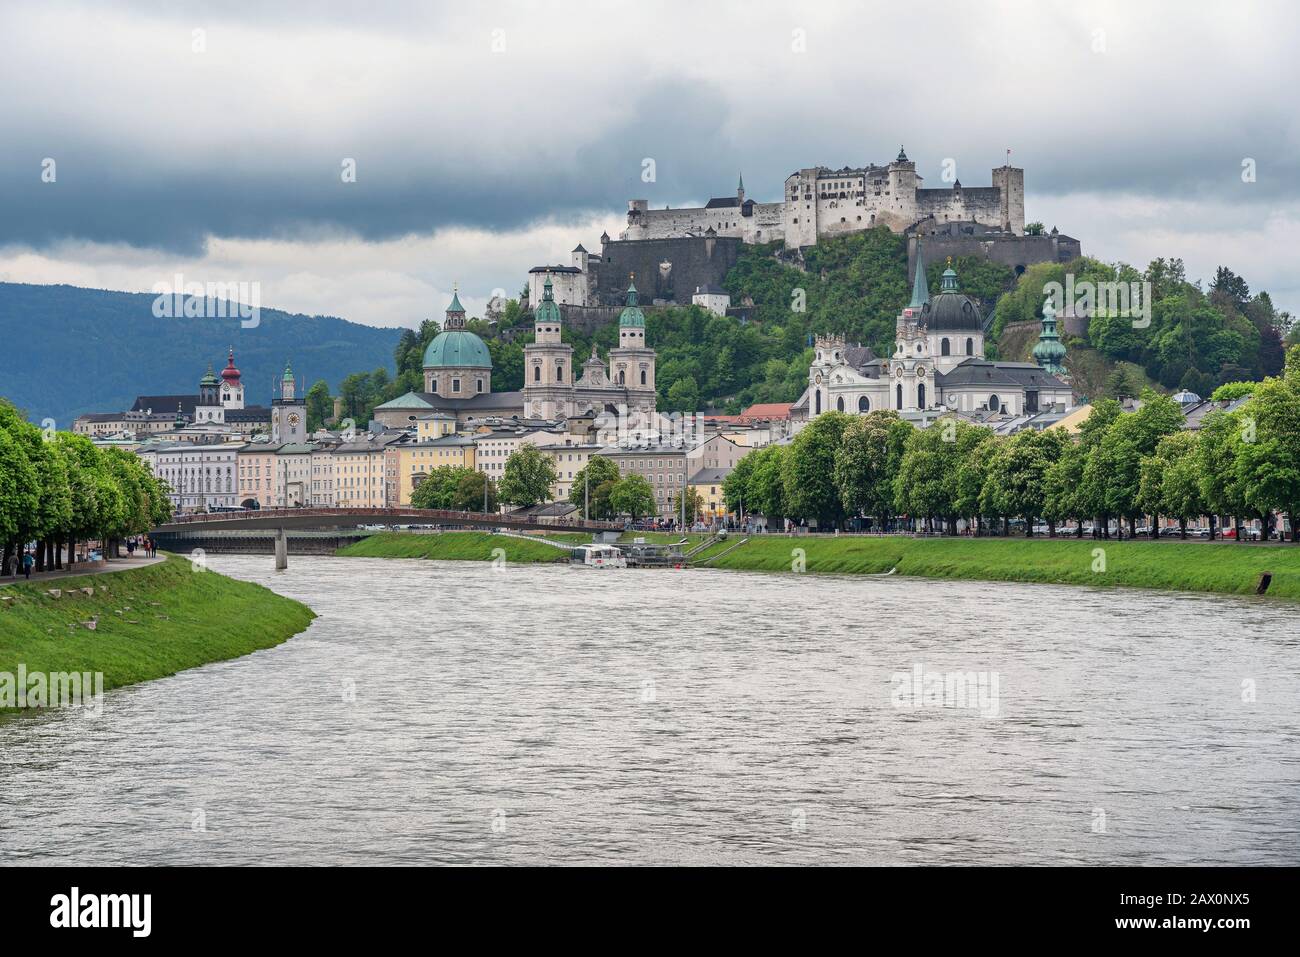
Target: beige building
(707, 484)
(414, 461)
(322, 475)
(361, 471)
(257, 473)
(570, 455)
(293, 475)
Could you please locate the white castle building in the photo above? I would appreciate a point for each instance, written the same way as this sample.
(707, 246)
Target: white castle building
(821, 202)
(938, 364)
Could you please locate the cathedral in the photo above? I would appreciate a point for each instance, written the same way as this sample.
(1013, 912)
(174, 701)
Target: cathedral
(458, 373)
(938, 364)
(551, 388)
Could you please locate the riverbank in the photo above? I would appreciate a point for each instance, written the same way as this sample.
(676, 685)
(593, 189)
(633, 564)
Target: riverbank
(458, 546)
(150, 622)
(1222, 568)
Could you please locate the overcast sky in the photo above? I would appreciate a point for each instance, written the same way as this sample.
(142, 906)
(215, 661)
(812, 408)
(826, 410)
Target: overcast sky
(209, 139)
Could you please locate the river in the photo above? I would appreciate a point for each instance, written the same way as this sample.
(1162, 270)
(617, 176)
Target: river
(448, 712)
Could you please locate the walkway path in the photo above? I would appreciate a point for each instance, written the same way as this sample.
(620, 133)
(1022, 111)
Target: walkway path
(85, 568)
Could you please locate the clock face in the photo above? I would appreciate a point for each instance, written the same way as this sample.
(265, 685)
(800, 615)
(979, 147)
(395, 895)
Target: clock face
(899, 372)
(920, 370)
(293, 418)
(818, 378)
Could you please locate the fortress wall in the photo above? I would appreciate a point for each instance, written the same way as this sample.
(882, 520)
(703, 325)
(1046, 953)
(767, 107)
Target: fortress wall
(692, 261)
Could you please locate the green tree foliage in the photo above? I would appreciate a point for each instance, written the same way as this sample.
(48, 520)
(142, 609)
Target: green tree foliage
(867, 463)
(528, 477)
(809, 471)
(320, 405)
(440, 488)
(632, 496)
(475, 492)
(592, 485)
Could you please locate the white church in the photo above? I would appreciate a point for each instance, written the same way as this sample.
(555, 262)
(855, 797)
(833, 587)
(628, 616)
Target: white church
(938, 365)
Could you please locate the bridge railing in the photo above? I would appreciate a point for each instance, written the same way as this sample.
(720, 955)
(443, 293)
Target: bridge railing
(430, 516)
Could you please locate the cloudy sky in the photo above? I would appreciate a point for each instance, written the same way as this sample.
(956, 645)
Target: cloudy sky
(210, 139)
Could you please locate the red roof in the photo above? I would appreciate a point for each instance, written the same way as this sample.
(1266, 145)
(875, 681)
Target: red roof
(767, 410)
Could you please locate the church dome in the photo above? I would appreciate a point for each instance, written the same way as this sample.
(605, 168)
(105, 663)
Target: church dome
(457, 348)
(951, 310)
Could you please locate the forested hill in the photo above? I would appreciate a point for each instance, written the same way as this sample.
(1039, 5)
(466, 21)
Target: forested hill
(66, 350)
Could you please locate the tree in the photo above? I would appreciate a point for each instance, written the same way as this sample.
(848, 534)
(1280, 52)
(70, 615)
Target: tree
(632, 496)
(528, 477)
(320, 407)
(767, 486)
(694, 505)
(1017, 474)
(1167, 483)
(867, 462)
(684, 395)
(475, 492)
(926, 484)
(972, 477)
(1220, 483)
(809, 470)
(735, 486)
(591, 486)
(439, 488)
(1268, 465)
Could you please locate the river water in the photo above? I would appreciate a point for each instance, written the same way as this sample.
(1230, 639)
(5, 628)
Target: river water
(447, 712)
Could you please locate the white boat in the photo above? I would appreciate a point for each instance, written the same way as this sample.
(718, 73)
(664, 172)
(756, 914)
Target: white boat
(598, 556)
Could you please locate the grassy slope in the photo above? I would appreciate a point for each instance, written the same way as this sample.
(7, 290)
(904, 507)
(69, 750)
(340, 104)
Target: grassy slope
(1190, 566)
(458, 546)
(177, 619)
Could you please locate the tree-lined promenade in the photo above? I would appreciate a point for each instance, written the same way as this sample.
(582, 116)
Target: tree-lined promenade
(1123, 467)
(57, 489)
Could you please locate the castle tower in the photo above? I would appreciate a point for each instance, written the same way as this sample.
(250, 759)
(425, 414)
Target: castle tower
(1010, 181)
(632, 363)
(548, 363)
(232, 389)
(288, 412)
(1050, 351)
(900, 211)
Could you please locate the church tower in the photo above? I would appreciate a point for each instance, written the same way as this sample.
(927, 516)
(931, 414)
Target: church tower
(631, 363)
(548, 363)
(232, 390)
(288, 412)
(208, 409)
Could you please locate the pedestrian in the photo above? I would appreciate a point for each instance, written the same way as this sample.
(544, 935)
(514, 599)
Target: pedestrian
(28, 562)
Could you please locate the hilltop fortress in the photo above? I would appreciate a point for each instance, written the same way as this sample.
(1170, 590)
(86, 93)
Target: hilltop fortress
(681, 256)
(820, 202)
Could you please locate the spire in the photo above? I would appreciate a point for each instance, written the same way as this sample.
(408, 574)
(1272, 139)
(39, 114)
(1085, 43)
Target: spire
(631, 292)
(631, 314)
(902, 156)
(455, 311)
(920, 285)
(1050, 351)
(547, 294)
(288, 372)
(949, 283)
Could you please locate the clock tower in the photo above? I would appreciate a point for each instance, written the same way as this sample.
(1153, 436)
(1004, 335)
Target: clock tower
(288, 412)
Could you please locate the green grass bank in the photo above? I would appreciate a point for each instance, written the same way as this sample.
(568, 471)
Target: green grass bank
(1225, 568)
(456, 546)
(150, 622)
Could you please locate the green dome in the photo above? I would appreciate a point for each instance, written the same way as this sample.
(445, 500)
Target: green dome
(457, 348)
(547, 310)
(631, 314)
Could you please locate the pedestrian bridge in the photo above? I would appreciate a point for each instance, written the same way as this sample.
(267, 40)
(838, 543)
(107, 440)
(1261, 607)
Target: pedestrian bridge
(280, 519)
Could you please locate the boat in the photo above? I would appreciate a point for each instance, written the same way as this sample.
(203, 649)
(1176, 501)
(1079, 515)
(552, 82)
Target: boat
(597, 556)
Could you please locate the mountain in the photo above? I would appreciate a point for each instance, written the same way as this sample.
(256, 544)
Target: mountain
(66, 350)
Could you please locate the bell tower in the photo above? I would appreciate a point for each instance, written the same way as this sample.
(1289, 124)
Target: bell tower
(288, 412)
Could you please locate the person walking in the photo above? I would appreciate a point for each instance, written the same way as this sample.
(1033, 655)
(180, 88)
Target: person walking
(28, 562)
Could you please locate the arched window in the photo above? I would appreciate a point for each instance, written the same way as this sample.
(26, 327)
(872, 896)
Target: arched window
(900, 395)
(944, 348)
(479, 384)
(864, 404)
(620, 377)
(643, 376)
(839, 404)
(920, 396)
(559, 372)
(537, 373)
(818, 402)
(995, 403)
(970, 346)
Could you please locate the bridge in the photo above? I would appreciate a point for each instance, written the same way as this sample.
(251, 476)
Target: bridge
(280, 519)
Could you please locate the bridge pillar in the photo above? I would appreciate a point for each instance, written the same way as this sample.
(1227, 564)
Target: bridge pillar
(281, 550)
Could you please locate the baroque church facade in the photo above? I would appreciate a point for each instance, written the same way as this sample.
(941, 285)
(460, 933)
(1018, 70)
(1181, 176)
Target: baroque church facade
(938, 364)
